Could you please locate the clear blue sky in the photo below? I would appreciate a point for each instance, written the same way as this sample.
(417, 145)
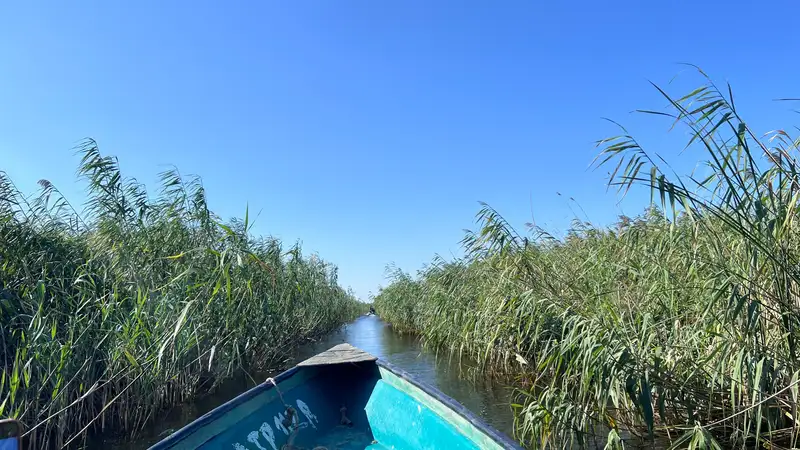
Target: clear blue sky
(371, 129)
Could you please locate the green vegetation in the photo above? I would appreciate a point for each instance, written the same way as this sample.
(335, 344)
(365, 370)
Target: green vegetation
(138, 304)
(682, 324)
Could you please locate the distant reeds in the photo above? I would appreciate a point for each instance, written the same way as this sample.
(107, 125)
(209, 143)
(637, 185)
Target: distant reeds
(112, 314)
(681, 324)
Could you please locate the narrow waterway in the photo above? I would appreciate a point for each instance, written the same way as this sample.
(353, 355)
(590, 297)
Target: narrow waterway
(486, 397)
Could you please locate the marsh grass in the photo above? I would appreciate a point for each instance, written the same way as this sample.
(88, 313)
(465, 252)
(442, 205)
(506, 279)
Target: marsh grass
(137, 303)
(679, 325)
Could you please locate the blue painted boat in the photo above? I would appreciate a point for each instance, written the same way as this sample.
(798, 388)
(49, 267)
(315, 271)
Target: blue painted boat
(344, 399)
(10, 432)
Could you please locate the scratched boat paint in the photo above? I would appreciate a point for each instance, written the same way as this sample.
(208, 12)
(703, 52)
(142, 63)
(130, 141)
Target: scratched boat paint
(344, 399)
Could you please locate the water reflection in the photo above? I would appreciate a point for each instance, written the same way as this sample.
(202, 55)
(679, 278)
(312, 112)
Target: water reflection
(485, 397)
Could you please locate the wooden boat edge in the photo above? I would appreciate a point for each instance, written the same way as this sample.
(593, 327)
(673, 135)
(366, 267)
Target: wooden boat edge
(220, 410)
(452, 404)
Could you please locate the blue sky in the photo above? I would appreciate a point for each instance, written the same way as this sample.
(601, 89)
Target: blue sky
(370, 129)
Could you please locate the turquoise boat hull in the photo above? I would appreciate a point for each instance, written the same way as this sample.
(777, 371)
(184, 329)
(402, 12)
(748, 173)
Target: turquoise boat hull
(340, 399)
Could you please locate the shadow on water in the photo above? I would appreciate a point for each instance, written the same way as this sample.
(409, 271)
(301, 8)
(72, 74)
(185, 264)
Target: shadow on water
(485, 397)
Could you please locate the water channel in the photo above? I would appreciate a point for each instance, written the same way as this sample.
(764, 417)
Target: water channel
(486, 397)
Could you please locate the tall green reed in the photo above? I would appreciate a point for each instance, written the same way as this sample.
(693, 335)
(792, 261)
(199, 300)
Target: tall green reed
(141, 302)
(680, 324)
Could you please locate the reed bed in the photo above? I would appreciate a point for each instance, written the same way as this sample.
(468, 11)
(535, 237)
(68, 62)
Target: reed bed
(137, 303)
(677, 326)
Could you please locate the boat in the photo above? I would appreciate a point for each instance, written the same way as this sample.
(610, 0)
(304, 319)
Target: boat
(343, 398)
(10, 432)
